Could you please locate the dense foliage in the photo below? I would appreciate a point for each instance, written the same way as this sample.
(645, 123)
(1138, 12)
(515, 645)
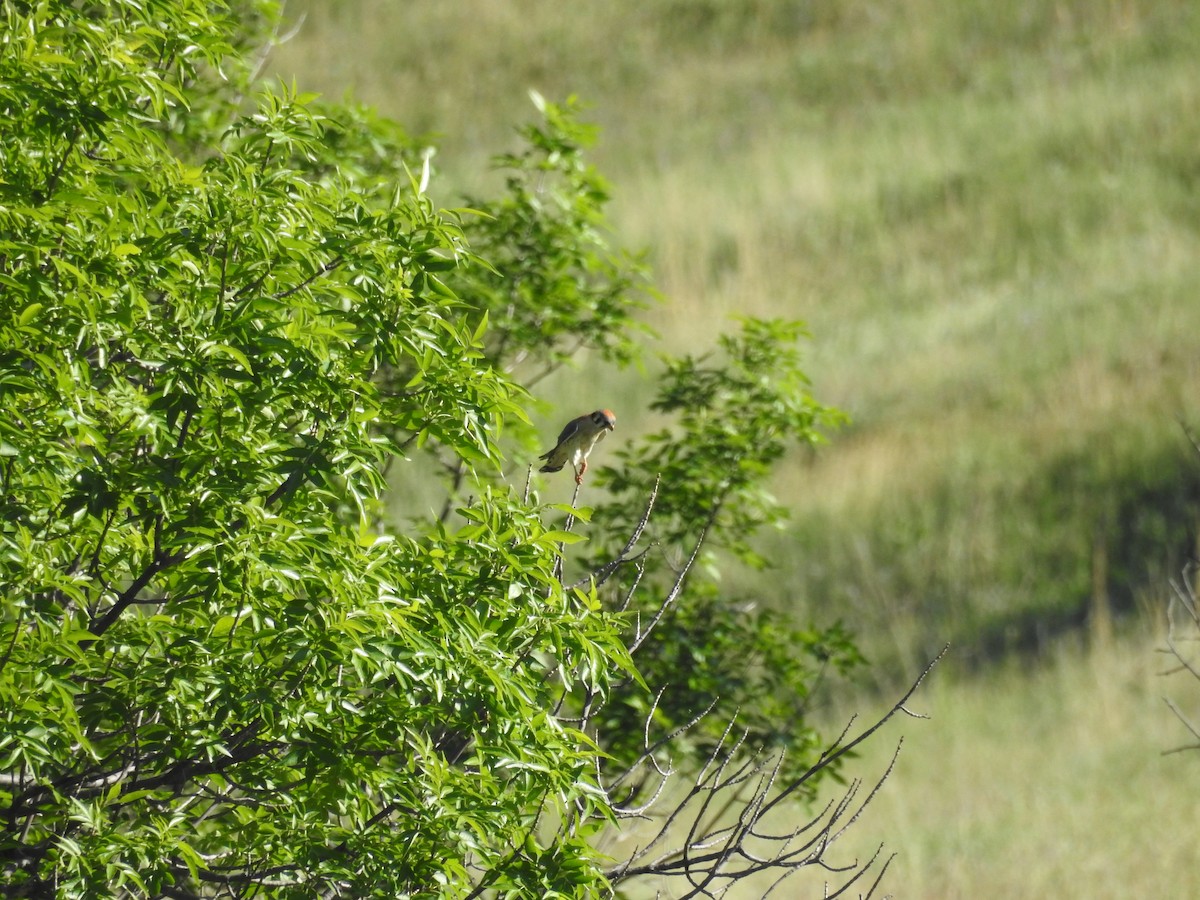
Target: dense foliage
(225, 313)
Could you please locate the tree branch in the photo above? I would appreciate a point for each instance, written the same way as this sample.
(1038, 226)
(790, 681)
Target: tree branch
(714, 852)
(677, 587)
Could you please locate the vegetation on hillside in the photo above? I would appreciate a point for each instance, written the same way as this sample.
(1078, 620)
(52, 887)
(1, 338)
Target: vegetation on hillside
(989, 215)
(230, 317)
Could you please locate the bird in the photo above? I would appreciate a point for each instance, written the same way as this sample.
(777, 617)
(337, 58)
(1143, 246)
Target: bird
(576, 441)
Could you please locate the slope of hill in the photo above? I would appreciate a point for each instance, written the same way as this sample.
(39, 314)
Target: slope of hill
(989, 214)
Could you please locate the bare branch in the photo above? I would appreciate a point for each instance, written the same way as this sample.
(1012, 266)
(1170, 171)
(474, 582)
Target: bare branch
(1183, 612)
(721, 831)
(602, 574)
(669, 600)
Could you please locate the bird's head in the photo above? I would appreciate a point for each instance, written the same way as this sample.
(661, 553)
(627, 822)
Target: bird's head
(604, 418)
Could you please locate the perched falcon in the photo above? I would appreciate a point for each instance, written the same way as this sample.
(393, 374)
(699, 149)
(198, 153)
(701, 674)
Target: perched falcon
(577, 440)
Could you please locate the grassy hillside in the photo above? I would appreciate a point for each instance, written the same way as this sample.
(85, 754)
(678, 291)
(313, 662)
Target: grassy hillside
(1070, 794)
(1047, 782)
(988, 213)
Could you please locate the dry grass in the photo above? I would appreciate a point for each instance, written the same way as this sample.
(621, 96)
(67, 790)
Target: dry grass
(1051, 782)
(989, 214)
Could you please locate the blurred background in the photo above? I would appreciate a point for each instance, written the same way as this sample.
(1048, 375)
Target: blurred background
(989, 216)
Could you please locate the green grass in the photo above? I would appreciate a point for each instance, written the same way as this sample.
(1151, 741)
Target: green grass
(1056, 781)
(989, 215)
(1071, 794)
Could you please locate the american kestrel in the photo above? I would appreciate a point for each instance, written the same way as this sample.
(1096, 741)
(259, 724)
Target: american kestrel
(577, 440)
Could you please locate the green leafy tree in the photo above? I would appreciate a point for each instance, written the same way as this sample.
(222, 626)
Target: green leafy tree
(229, 315)
(554, 285)
(735, 413)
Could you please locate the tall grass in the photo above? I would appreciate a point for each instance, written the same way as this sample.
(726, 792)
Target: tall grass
(1055, 782)
(988, 213)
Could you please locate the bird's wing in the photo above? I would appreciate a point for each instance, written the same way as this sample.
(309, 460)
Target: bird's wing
(566, 434)
(569, 431)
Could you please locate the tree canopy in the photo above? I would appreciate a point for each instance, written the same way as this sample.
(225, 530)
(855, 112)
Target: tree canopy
(231, 319)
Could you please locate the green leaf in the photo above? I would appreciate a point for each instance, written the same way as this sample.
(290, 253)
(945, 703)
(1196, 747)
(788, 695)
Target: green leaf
(29, 313)
(481, 328)
(562, 537)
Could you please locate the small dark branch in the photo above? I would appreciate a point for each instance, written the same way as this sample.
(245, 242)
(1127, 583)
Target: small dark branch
(323, 270)
(179, 893)
(16, 627)
(264, 53)
(727, 805)
(384, 813)
(94, 567)
(567, 526)
(291, 483)
(224, 275)
(457, 472)
(158, 563)
(570, 523)
(838, 751)
(1183, 601)
(649, 753)
(160, 601)
(266, 159)
(518, 846)
(640, 564)
(186, 770)
(708, 848)
(550, 367)
(1187, 723)
(1191, 436)
(601, 575)
(592, 703)
(85, 786)
(677, 587)
(259, 878)
(239, 744)
(546, 372)
(862, 870)
(700, 786)
(453, 744)
(252, 285)
(10, 780)
(56, 175)
(1183, 606)
(887, 773)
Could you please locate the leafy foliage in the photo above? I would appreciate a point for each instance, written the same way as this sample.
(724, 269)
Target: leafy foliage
(225, 311)
(736, 413)
(215, 668)
(553, 286)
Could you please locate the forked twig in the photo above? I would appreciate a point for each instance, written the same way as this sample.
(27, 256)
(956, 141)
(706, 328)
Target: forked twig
(716, 850)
